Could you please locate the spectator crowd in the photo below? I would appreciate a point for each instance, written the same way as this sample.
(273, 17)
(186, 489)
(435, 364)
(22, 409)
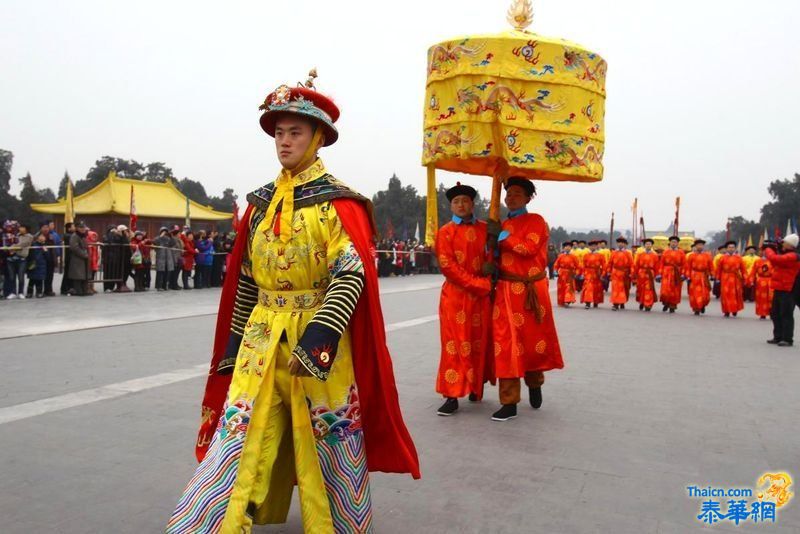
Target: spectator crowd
(181, 258)
(178, 258)
(404, 258)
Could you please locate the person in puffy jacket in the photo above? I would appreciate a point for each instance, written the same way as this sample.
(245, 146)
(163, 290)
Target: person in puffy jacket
(786, 265)
(204, 259)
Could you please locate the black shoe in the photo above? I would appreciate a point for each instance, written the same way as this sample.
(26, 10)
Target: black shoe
(448, 408)
(648, 308)
(536, 397)
(763, 318)
(734, 314)
(697, 313)
(473, 397)
(773, 341)
(508, 411)
(641, 307)
(703, 310)
(615, 307)
(622, 306)
(672, 310)
(588, 305)
(596, 304)
(785, 344)
(727, 315)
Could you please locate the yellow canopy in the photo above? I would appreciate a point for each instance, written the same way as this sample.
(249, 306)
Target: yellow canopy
(660, 242)
(513, 103)
(153, 199)
(534, 102)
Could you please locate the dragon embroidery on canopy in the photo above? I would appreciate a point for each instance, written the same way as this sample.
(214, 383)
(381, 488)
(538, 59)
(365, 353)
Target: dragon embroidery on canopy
(502, 96)
(445, 140)
(574, 60)
(566, 156)
(441, 56)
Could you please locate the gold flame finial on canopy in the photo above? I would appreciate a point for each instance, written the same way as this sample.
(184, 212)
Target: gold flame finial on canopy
(520, 14)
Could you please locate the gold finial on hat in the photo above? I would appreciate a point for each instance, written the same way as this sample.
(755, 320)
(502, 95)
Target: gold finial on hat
(312, 74)
(520, 14)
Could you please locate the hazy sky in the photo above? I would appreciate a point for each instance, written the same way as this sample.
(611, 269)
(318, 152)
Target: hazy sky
(702, 95)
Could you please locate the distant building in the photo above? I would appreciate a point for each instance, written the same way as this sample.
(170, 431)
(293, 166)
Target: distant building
(157, 204)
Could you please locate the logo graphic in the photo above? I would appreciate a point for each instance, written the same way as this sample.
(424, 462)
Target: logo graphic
(737, 505)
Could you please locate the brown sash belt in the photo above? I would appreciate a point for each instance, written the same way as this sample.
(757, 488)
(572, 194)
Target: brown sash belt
(531, 300)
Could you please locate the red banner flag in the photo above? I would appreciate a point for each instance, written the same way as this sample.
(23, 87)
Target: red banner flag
(235, 216)
(134, 218)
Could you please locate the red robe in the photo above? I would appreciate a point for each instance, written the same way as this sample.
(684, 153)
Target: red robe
(731, 272)
(521, 342)
(672, 266)
(761, 279)
(388, 443)
(594, 265)
(463, 310)
(567, 266)
(699, 266)
(619, 269)
(645, 269)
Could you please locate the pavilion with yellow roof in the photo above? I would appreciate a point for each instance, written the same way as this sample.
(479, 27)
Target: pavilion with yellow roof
(157, 204)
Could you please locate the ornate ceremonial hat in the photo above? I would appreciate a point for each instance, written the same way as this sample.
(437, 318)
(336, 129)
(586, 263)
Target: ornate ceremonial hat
(525, 184)
(303, 100)
(460, 189)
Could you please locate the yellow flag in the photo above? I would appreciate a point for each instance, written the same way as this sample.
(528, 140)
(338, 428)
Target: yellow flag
(69, 207)
(432, 208)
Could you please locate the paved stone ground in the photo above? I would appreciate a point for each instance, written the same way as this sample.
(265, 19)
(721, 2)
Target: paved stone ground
(646, 405)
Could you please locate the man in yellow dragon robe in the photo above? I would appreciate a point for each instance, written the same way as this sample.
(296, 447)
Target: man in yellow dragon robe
(300, 388)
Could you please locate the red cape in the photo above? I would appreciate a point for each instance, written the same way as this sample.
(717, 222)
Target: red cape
(388, 443)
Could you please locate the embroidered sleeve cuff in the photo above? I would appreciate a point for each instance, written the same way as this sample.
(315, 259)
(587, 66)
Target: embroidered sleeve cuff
(316, 350)
(246, 300)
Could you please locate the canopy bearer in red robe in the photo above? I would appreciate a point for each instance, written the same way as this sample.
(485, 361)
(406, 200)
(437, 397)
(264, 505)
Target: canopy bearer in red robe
(464, 302)
(524, 335)
(300, 390)
(619, 270)
(567, 267)
(672, 265)
(698, 268)
(731, 273)
(594, 265)
(646, 267)
(761, 281)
